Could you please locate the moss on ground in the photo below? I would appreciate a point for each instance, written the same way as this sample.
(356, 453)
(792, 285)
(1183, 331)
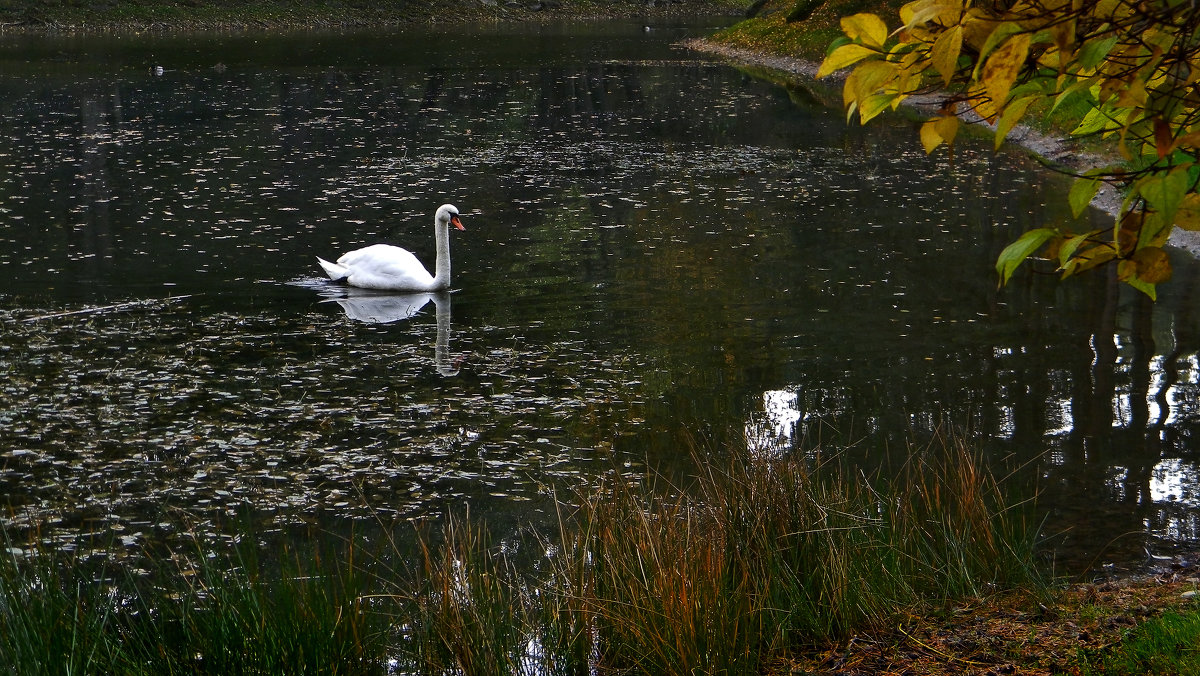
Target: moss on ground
(800, 28)
(1084, 630)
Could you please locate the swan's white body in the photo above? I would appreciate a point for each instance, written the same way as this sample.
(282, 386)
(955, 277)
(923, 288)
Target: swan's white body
(390, 268)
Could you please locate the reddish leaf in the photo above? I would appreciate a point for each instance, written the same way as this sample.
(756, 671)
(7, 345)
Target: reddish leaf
(1163, 142)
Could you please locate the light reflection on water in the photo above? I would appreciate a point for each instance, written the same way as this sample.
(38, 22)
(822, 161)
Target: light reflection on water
(657, 249)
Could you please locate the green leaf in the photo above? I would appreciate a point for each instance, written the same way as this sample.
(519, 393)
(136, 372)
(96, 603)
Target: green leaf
(1097, 119)
(1066, 251)
(1094, 51)
(1145, 287)
(1076, 88)
(869, 78)
(1155, 231)
(1187, 216)
(1127, 271)
(1012, 114)
(1082, 192)
(1014, 254)
(873, 106)
(1091, 257)
(1031, 88)
(1165, 192)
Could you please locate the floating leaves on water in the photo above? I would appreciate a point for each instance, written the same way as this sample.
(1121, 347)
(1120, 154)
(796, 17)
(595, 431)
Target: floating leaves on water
(226, 414)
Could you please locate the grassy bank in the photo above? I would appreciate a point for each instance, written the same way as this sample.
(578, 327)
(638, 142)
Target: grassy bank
(753, 565)
(133, 15)
(800, 28)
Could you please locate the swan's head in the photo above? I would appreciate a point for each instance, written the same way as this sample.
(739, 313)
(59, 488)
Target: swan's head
(448, 214)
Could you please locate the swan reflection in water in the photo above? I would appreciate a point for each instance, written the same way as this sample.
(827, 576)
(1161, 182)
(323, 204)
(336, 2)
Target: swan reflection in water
(382, 307)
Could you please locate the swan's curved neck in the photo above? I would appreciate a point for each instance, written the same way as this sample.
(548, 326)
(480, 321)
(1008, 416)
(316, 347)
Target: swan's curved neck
(441, 271)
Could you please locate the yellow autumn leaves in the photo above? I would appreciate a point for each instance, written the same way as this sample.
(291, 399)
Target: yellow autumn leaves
(1133, 67)
(892, 66)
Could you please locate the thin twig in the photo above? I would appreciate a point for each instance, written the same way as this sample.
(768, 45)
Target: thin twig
(107, 308)
(943, 653)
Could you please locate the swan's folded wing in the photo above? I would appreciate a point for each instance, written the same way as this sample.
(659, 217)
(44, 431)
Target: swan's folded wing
(378, 254)
(382, 266)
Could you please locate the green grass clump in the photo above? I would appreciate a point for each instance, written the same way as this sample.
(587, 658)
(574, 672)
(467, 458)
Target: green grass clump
(53, 621)
(222, 615)
(306, 617)
(1168, 645)
(465, 611)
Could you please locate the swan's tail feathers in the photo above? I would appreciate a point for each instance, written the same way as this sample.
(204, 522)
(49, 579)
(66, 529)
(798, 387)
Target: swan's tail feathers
(336, 272)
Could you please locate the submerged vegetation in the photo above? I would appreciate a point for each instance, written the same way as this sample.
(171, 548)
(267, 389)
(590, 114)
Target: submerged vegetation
(759, 559)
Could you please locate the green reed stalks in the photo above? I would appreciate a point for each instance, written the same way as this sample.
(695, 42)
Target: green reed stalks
(466, 615)
(52, 621)
(226, 615)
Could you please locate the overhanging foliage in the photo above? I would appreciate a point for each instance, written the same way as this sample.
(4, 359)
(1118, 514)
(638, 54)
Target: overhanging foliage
(1135, 66)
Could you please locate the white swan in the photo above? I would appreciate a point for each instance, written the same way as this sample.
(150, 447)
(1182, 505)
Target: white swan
(382, 266)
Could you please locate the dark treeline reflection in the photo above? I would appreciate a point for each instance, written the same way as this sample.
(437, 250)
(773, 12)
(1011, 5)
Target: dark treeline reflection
(660, 252)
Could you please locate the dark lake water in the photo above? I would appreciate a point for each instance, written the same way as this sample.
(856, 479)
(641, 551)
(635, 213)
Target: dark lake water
(661, 252)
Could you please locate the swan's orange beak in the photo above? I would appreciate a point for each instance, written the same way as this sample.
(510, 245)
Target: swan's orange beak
(457, 223)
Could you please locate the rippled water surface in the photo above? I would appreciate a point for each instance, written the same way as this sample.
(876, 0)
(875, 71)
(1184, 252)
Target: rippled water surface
(659, 251)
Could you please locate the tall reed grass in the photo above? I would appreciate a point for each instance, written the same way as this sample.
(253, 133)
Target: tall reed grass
(761, 555)
(228, 614)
